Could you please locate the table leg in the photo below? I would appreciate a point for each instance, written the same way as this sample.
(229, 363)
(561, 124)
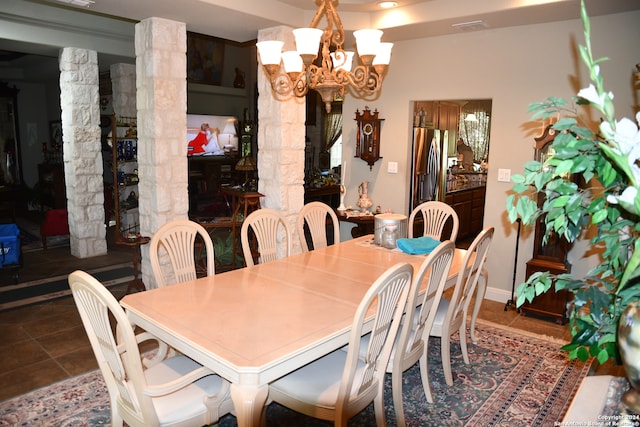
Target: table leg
(248, 402)
(482, 288)
(234, 233)
(136, 283)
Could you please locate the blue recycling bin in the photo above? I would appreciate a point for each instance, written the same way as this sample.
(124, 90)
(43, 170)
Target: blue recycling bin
(9, 244)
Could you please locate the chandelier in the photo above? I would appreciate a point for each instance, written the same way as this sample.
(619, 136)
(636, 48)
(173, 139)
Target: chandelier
(335, 73)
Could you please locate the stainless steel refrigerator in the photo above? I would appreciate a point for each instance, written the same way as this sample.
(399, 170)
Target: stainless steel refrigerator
(428, 165)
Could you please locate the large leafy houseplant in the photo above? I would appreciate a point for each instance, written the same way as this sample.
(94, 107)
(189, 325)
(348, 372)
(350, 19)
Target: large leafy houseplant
(607, 163)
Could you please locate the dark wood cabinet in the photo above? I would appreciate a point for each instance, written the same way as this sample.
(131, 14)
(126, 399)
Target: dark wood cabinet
(469, 206)
(207, 176)
(477, 209)
(329, 194)
(53, 193)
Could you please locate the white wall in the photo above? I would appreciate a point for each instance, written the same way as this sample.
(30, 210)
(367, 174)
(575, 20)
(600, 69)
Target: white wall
(513, 67)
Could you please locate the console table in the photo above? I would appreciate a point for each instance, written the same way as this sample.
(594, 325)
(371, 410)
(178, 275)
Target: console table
(364, 223)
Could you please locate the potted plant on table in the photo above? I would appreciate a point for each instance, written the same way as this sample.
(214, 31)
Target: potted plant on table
(607, 159)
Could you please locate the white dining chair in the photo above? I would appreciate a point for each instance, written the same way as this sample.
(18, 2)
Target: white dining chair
(411, 344)
(179, 240)
(451, 314)
(267, 226)
(339, 385)
(435, 215)
(314, 215)
(155, 391)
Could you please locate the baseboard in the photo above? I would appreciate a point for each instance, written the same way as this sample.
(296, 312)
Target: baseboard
(496, 294)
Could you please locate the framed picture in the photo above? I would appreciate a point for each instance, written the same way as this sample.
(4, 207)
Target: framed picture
(205, 59)
(55, 132)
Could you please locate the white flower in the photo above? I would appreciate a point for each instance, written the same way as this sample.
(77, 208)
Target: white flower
(633, 157)
(625, 199)
(626, 135)
(591, 94)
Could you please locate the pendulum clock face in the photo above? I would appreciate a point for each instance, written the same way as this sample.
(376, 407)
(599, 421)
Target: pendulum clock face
(368, 138)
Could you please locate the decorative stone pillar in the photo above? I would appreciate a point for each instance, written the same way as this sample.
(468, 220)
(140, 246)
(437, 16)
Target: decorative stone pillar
(123, 85)
(79, 99)
(161, 76)
(281, 141)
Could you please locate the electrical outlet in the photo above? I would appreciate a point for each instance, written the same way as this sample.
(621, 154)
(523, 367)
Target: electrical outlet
(504, 175)
(392, 167)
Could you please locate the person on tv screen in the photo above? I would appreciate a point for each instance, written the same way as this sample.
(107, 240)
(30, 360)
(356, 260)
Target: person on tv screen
(206, 141)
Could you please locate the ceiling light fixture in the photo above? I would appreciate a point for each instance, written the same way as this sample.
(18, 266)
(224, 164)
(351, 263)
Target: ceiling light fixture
(78, 2)
(387, 4)
(334, 74)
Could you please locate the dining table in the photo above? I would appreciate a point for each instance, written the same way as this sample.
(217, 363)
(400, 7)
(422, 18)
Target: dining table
(256, 324)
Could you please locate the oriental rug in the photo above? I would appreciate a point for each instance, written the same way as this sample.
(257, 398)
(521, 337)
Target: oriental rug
(515, 379)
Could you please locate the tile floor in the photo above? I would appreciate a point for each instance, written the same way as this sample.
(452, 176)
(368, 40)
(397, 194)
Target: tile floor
(45, 342)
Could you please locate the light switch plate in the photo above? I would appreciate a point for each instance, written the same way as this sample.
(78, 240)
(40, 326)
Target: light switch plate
(504, 175)
(392, 167)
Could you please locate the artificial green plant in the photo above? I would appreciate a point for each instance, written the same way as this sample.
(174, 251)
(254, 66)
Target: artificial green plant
(605, 165)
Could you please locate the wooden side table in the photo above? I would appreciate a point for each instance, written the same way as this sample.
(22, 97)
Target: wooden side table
(364, 223)
(136, 283)
(245, 201)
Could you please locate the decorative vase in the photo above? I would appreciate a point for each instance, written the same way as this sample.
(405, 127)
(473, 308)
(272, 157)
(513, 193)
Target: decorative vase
(629, 347)
(364, 202)
(343, 193)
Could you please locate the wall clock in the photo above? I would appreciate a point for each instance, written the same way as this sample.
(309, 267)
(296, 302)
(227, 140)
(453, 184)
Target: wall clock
(368, 136)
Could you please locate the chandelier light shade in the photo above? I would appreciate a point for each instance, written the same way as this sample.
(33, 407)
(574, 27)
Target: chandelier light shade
(336, 71)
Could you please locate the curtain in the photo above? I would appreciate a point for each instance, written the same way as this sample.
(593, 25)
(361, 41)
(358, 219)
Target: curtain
(332, 129)
(476, 133)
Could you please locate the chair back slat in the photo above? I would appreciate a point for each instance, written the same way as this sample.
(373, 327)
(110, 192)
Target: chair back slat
(389, 294)
(270, 229)
(314, 215)
(435, 215)
(177, 241)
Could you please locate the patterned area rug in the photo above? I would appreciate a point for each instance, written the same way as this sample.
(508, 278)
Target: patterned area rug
(514, 379)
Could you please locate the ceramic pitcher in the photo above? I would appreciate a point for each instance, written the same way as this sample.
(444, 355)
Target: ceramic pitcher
(364, 202)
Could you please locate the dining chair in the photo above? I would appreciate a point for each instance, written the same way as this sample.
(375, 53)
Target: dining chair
(178, 239)
(339, 385)
(411, 344)
(314, 216)
(265, 225)
(435, 215)
(451, 314)
(155, 391)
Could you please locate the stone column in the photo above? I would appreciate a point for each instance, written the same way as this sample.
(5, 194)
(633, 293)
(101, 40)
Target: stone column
(123, 85)
(79, 100)
(281, 134)
(161, 74)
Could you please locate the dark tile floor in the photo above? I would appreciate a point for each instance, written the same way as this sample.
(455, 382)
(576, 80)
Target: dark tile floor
(45, 342)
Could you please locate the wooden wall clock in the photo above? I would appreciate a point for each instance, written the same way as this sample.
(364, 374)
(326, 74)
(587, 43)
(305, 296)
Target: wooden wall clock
(368, 137)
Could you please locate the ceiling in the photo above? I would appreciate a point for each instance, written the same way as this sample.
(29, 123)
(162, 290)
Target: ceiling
(240, 20)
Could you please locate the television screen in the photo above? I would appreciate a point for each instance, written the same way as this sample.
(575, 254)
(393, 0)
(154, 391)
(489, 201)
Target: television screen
(211, 135)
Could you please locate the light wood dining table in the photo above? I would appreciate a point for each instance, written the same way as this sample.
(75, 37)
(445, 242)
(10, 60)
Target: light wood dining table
(256, 324)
